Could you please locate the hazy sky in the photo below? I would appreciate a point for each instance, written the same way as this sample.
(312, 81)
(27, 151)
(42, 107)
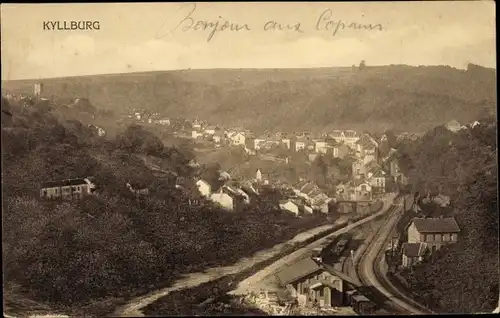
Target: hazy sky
(135, 37)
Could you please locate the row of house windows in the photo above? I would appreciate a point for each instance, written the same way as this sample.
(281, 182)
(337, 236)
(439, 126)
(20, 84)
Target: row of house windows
(436, 237)
(64, 190)
(324, 276)
(77, 188)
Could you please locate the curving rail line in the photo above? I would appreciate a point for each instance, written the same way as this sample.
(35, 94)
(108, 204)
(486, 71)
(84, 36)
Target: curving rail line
(368, 271)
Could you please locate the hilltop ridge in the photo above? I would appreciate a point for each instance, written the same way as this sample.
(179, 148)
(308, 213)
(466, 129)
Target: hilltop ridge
(396, 97)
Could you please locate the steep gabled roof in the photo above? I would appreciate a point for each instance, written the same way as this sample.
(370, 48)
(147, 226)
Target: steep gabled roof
(302, 138)
(350, 133)
(224, 175)
(375, 169)
(367, 142)
(214, 184)
(371, 165)
(298, 270)
(332, 142)
(441, 200)
(413, 249)
(315, 193)
(316, 140)
(301, 184)
(307, 188)
(336, 133)
(358, 182)
(323, 201)
(231, 189)
(378, 173)
(65, 183)
(436, 225)
(286, 201)
(341, 197)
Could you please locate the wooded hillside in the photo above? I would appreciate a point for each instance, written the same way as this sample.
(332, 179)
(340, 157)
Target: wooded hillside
(464, 277)
(74, 254)
(377, 98)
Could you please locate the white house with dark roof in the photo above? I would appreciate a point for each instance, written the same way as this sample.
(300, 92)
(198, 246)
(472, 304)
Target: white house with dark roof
(318, 197)
(366, 145)
(301, 143)
(376, 176)
(290, 206)
(362, 190)
(348, 137)
(238, 139)
(223, 199)
(311, 193)
(68, 188)
(413, 253)
(338, 135)
(312, 282)
(435, 232)
(305, 188)
(236, 193)
(297, 187)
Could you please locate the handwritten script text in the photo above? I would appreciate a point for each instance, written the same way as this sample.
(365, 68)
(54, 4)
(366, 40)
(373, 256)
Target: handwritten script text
(324, 23)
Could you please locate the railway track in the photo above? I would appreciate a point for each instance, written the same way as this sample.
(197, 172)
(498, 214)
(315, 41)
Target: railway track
(399, 302)
(391, 288)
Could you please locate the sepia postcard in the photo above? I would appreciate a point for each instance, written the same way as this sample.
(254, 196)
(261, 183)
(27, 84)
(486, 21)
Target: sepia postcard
(253, 158)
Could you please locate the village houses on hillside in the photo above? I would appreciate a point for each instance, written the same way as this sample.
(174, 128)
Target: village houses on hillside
(371, 174)
(222, 193)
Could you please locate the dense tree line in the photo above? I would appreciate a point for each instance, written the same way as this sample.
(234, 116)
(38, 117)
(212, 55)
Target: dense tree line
(72, 253)
(462, 165)
(397, 96)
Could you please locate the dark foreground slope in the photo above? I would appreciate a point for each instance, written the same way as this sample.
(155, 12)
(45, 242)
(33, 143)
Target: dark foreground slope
(80, 257)
(377, 98)
(463, 278)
